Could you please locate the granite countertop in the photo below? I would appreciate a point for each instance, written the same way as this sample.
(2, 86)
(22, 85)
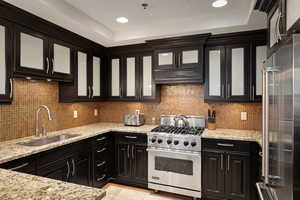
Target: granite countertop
(20, 186)
(15, 186)
(12, 150)
(233, 134)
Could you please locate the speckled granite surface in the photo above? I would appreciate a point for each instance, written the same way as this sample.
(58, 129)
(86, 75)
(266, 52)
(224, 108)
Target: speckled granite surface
(233, 134)
(12, 150)
(19, 186)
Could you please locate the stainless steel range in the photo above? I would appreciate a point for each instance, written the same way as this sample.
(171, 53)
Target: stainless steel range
(174, 155)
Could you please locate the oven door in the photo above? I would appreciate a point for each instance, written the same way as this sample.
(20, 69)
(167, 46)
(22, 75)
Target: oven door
(175, 168)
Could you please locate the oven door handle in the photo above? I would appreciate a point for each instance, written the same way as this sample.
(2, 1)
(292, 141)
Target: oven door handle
(173, 151)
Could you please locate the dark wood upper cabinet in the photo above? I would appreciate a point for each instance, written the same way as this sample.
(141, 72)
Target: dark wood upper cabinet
(259, 55)
(32, 53)
(89, 79)
(61, 59)
(179, 59)
(131, 78)
(40, 57)
(215, 70)
(237, 72)
(233, 72)
(6, 61)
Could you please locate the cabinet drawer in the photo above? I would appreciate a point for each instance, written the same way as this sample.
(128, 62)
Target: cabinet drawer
(226, 145)
(101, 154)
(132, 138)
(25, 165)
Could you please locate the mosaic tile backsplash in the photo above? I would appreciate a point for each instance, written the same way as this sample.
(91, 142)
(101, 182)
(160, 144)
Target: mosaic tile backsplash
(18, 119)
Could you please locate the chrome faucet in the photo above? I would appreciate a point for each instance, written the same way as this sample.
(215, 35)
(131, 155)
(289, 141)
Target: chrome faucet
(40, 130)
(183, 118)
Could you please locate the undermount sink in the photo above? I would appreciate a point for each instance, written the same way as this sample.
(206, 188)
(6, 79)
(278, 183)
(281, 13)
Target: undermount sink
(49, 140)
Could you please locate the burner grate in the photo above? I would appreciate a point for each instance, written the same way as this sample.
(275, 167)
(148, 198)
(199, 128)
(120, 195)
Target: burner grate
(179, 130)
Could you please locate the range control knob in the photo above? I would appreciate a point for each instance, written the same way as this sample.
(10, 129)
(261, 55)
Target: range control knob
(153, 140)
(193, 144)
(159, 141)
(169, 141)
(176, 142)
(186, 143)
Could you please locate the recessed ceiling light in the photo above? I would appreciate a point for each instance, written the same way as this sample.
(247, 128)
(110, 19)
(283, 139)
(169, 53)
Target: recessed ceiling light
(219, 3)
(122, 20)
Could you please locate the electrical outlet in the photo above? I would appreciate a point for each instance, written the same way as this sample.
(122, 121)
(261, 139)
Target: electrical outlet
(75, 114)
(243, 116)
(95, 112)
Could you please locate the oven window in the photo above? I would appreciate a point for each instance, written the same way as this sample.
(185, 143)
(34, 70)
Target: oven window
(174, 165)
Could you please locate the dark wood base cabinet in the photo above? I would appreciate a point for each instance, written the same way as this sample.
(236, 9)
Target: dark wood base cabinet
(229, 167)
(131, 159)
(229, 170)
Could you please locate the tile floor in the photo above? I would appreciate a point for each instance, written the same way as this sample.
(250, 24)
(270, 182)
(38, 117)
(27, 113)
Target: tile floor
(121, 192)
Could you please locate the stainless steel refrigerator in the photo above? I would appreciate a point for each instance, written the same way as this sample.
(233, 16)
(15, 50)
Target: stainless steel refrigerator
(281, 121)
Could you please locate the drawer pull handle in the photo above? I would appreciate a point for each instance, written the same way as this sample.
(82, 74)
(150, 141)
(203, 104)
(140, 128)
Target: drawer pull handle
(131, 137)
(100, 151)
(101, 139)
(101, 164)
(19, 167)
(101, 178)
(225, 145)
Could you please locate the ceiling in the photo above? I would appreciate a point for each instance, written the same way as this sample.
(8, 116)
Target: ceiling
(96, 19)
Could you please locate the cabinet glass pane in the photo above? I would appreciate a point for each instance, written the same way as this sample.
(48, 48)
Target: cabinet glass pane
(61, 61)
(165, 58)
(32, 52)
(96, 76)
(189, 57)
(147, 76)
(115, 77)
(2, 61)
(130, 77)
(261, 56)
(237, 72)
(82, 74)
(215, 73)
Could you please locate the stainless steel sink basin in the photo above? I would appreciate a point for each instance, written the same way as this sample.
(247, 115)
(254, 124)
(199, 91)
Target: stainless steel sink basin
(49, 140)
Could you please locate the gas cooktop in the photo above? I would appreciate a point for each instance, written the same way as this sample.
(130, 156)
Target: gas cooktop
(179, 130)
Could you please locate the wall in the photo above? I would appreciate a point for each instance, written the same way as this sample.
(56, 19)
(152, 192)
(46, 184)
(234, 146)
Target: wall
(186, 99)
(18, 119)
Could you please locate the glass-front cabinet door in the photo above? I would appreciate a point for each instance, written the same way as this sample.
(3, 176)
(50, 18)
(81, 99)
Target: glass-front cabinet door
(165, 59)
(189, 58)
(96, 77)
(32, 55)
(257, 84)
(115, 91)
(6, 81)
(131, 80)
(237, 65)
(84, 90)
(148, 87)
(215, 73)
(61, 60)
